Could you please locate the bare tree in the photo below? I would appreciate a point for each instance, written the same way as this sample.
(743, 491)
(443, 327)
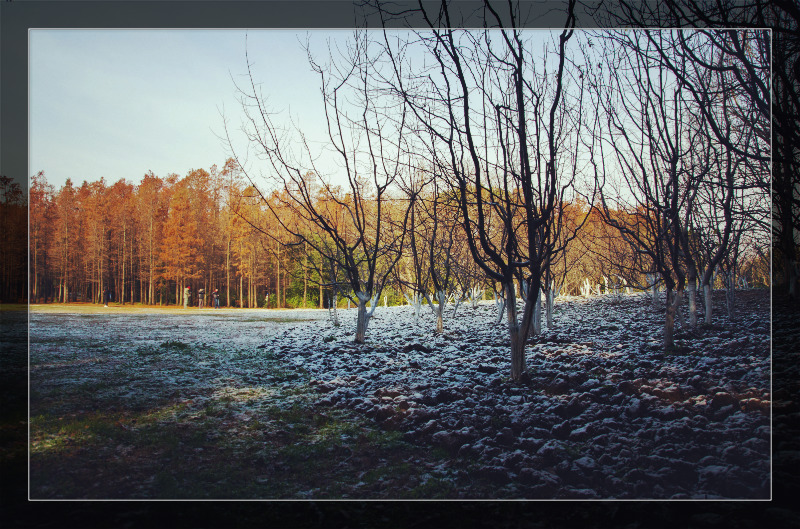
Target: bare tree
(647, 114)
(746, 57)
(494, 120)
(364, 224)
(431, 241)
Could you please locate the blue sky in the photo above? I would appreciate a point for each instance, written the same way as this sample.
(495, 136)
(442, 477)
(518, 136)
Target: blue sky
(117, 103)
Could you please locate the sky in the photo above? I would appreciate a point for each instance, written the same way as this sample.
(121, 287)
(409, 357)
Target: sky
(116, 104)
(119, 103)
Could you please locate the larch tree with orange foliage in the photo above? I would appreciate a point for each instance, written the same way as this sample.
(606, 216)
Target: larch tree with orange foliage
(180, 241)
(40, 233)
(150, 208)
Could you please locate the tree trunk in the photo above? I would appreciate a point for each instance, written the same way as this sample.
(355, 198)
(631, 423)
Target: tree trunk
(442, 299)
(362, 319)
(475, 295)
(500, 303)
(515, 333)
(586, 288)
(151, 287)
(692, 305)
(673, 303)
(335, 309)
(305, 274)
(653, 280)
(35, 274)
(122, 286)
(457, 299)
(278, 278)
(416, 302)
(551, 295)
(707, 302)
(730, 296)
(133, 275)
(692, 280)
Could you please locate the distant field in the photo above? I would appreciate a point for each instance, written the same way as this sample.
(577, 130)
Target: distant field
(114, 308)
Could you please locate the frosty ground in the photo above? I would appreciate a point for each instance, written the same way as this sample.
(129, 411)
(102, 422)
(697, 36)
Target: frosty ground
(148, 403)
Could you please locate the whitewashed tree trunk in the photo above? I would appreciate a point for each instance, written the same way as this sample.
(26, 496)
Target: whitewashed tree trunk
(457, 299)
(652, 280)
(364, 315)
(586, 288)
(517, 340)
(673, 303)
(730, 296)
(693, 300)
(441, 298)
(500, 303)
(551, 295)
(537, 316)
(707, 302)
(333, 309)
(475, 295)
(415, 300)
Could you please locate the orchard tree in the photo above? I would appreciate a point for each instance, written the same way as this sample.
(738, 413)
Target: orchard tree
(645, 127)
(363, 236)
(491, 111)
(431, 243)
(766, 43)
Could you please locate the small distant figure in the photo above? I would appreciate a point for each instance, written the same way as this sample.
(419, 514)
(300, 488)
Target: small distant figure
(106, 297)
(201, 298)
(216, 298)
(187, 292)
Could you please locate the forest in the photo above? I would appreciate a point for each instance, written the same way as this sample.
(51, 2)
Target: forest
(147, 241)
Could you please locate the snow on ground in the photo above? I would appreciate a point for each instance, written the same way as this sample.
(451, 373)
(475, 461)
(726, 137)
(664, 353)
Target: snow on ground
(603, 412)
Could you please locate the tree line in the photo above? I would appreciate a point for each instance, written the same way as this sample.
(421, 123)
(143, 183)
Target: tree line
(146, 242)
